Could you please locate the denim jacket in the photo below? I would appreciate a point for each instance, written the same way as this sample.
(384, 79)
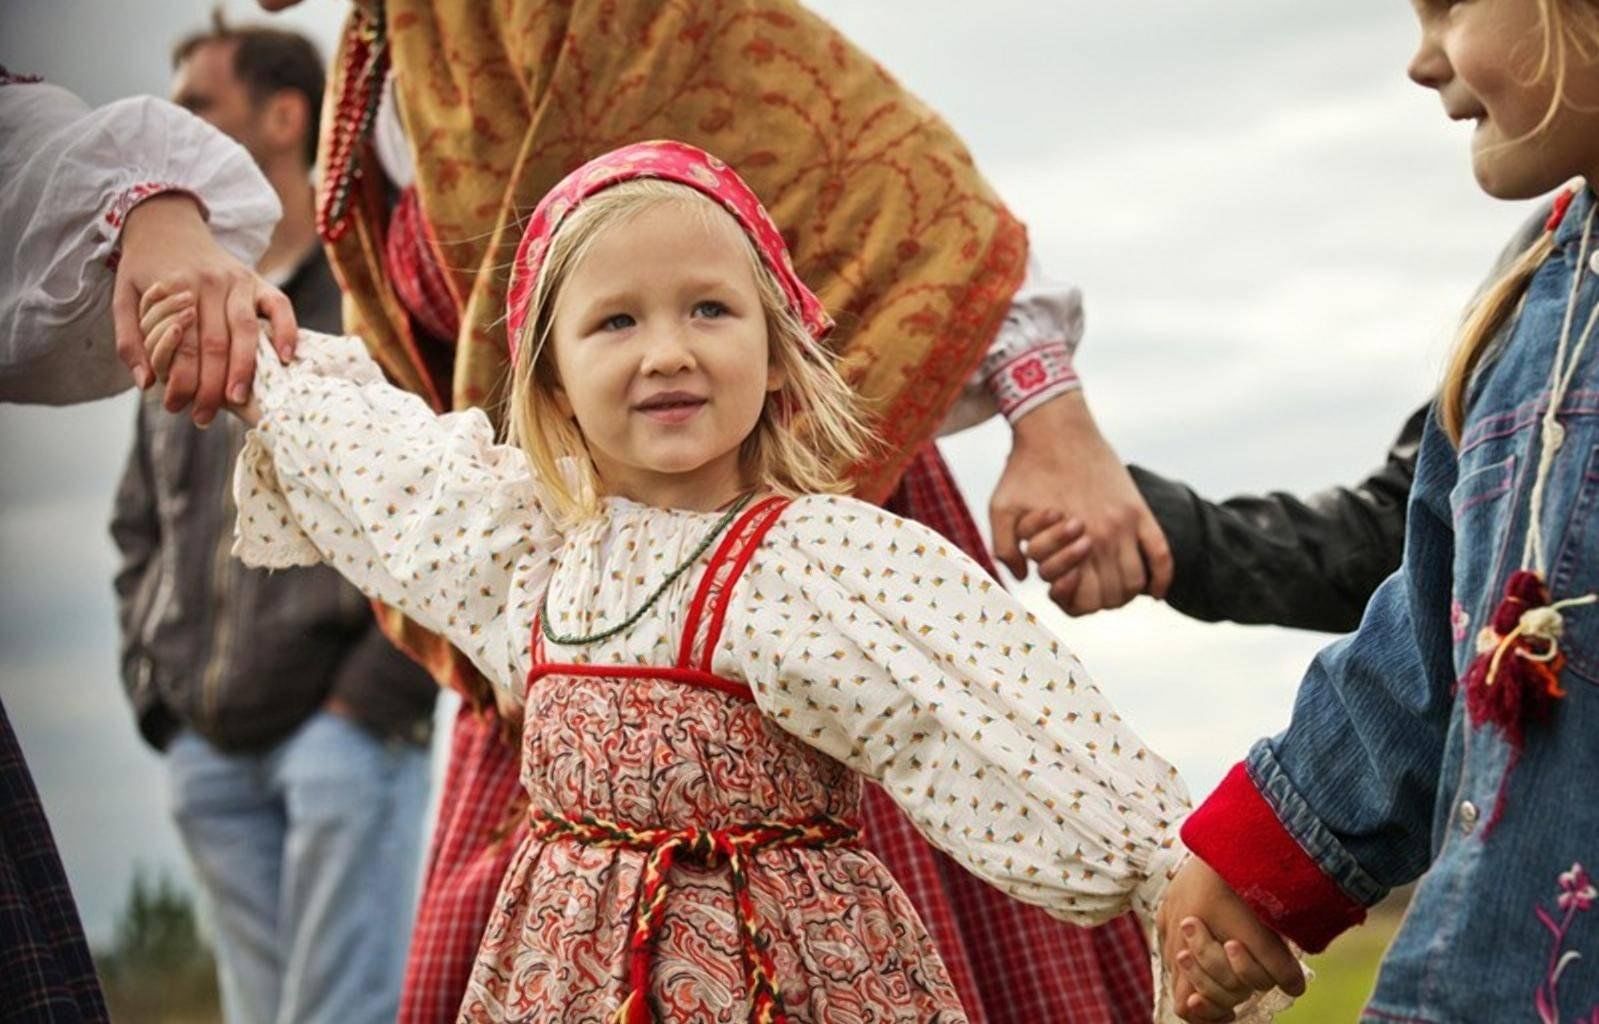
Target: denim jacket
(1381, 777)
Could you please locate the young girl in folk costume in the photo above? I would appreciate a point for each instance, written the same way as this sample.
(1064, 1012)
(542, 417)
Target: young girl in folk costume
(706, 641)
(472, 112)
(1452, 736)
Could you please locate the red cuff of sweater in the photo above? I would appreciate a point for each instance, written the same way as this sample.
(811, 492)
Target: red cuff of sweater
(1238, 834)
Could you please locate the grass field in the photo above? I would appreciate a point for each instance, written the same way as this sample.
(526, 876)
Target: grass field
(1345, 974)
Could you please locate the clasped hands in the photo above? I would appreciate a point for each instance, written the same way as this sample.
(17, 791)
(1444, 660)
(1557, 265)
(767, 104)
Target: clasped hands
(207, 347)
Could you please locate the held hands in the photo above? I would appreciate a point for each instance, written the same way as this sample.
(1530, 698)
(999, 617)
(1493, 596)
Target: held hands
(210, 359)
(1066, 503)
(1221, 953)
(167, 316)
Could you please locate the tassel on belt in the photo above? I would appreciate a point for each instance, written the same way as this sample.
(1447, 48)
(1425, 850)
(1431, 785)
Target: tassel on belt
(707, 847)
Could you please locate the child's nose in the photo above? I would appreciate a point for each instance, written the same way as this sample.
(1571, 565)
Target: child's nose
(1428, 67)
(669, 350)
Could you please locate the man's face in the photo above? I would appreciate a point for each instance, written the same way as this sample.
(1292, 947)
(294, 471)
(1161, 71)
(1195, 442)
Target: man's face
(206, 86)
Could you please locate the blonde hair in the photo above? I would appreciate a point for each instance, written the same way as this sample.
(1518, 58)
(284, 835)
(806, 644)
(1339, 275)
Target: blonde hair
(1570, 30)
(810, 430)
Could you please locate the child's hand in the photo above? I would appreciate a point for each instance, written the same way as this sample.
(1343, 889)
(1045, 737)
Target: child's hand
(166, 315)
(1223, 974)
(1213, 975)
(1057, 545)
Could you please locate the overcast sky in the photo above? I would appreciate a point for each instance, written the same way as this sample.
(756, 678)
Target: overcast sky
(1273, 228)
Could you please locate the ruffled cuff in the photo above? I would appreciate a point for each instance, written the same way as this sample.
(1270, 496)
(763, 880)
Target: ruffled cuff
(1027, 381)
(1030, 361)
(265, 533)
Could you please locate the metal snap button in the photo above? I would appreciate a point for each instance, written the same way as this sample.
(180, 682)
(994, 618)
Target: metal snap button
(1468, 815)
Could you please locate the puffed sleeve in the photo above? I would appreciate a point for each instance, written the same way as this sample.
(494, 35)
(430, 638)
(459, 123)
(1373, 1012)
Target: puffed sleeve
(68, 177)
(422, 511)
(875, 641)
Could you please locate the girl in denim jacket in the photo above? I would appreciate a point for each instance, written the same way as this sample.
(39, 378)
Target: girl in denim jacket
(1453, 736)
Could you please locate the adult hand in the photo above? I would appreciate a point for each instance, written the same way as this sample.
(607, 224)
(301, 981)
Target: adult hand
(165, 239)
(1059, 460)
(1200, 909)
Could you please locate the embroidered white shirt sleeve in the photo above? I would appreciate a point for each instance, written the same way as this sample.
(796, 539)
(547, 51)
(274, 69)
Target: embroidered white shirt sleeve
(878, 643)
(68, 177)
(420, 510)
(1030, 361)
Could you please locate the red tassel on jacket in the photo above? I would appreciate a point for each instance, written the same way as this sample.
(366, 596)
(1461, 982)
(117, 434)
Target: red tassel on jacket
(1515, 678)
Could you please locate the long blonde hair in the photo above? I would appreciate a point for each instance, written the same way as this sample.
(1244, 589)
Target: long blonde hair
(809, 432)
(1570, 31)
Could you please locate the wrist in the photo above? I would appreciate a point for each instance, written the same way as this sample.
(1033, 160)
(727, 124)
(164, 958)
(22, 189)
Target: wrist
(1064, 414)
(144, 208)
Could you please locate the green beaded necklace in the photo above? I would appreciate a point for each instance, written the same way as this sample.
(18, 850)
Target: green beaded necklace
(576, 640)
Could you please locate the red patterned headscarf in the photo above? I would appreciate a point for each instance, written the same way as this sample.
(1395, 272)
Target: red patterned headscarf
(668, 161)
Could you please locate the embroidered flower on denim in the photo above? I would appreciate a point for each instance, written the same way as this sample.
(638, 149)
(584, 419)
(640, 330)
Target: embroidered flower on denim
(1576, 889)
(1577, 895)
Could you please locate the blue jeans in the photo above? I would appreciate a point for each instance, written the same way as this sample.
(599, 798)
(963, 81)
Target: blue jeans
(308, 856)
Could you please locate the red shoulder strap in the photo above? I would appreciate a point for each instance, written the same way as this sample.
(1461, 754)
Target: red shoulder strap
(703, 628)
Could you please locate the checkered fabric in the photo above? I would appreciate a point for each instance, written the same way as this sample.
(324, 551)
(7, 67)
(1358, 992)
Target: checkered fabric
(414, 271)
(482, 815)
(45, 970)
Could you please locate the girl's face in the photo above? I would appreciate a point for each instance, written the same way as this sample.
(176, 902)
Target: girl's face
(1482, 57)
(660, 342)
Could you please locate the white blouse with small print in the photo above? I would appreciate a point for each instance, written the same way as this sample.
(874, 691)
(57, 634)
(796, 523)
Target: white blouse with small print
(866, 636)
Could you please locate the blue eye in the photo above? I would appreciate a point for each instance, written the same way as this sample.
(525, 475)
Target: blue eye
(616, 322)
(710, 309)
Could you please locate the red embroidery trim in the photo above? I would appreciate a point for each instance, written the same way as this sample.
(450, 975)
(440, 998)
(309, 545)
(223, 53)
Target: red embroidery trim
(1021, 379)
(687, 676)
(133, 195)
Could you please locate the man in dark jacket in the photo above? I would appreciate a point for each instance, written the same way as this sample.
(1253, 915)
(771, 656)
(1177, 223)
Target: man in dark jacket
(1276, 559)
(295, 735)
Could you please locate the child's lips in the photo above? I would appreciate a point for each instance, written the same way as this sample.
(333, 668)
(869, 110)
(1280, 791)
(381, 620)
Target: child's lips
(671, 408)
